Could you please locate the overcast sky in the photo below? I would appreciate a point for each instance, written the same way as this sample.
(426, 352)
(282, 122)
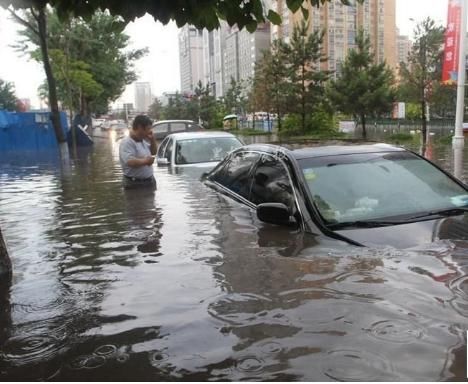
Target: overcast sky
(161, 66)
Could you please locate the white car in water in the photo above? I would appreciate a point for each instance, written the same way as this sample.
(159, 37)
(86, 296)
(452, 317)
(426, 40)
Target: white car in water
(200, 149)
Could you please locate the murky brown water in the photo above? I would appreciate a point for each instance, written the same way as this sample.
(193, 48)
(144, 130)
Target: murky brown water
(184, 285)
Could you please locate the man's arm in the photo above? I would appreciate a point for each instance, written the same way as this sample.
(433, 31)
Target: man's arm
(135, 163)
(127, 156)
(152, 141)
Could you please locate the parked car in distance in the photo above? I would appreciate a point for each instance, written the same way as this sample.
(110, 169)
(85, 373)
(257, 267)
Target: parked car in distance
(366, 195)
(201, 149)
(165, 127)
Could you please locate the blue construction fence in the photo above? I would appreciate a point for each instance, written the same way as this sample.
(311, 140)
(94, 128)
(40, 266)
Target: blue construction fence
(28, 130)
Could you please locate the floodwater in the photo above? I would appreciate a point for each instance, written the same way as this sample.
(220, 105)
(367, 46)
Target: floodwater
(182, 284)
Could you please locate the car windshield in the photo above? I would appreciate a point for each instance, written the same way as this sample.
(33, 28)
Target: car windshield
(204, 149)
(376, 186)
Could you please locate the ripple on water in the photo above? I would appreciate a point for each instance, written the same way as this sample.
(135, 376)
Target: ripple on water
(25, 350)
(460, 287)
(88, 362)
(250, 364)
(355, 365)
(156, 358)
(270, 347)
(397, 331)
(105, 350)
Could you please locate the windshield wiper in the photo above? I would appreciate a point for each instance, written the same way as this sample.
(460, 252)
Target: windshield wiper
(364, 224)
(441, 212)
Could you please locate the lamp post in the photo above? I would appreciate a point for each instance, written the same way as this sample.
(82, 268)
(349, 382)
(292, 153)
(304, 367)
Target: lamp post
(458, 139)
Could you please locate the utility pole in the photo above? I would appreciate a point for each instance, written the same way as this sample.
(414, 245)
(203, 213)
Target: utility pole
(458, 139)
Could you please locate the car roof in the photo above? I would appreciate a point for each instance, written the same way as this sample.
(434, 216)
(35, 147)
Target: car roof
(319, 149)
(173, 121)
(202, 134)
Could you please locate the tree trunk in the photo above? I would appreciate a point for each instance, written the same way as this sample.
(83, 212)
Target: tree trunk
(424, 122)
(5, 262)
(53, 103)
(363, 122)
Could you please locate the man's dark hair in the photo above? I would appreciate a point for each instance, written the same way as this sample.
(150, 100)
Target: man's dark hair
(141, 121)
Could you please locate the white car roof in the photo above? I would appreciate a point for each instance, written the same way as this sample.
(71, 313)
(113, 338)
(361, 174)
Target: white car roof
(197, 135)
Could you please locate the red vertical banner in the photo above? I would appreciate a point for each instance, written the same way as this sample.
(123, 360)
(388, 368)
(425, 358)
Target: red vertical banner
(452, 43)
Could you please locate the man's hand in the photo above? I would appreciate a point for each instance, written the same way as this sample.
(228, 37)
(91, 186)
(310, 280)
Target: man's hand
(148, 160)
(150, 136)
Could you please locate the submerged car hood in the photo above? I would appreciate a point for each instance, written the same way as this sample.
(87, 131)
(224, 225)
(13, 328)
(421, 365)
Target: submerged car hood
(411, 234)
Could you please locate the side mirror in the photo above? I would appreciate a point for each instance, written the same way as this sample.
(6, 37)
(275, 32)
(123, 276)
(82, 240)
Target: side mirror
(162, 161)
(274, 213)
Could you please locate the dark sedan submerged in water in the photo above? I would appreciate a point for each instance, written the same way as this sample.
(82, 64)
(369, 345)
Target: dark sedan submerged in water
(366, 194)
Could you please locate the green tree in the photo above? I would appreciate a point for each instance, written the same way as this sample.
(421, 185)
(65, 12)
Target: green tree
(206, 105)
(201, 14)
(269, 90)
(364, 88)
(235, 99)
(156, 109)
(7, 96)
(90, 59)
(306, 79)
(422, 72)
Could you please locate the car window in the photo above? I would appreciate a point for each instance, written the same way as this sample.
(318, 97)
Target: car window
(177, 127)
(271, 183)
(168, 149)
(236, 173)
(204, 149)
(161, 128)
(193, 127)
(378, 185)
(162, 147)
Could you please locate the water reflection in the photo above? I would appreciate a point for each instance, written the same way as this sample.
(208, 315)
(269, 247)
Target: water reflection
(184, 284)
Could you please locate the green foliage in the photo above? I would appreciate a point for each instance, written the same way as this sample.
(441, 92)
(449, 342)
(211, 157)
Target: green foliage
(201, 106)
(89, 58)
(320, 122)
(270, 88)
(413, 111)
(201, 14)
(235, 100)
(444, 100)
(363, 88)
(155, 110)
(422, 73)
(306, 81)
(7, 96)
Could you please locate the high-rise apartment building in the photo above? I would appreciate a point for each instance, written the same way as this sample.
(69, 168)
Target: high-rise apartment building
(190, 58)
(404, 46)
(214, 46)
(341, 24)
(143, 97)
(243, 50)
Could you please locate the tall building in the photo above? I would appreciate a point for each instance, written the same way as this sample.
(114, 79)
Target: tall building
(243, 50)
(404, 46)
(143, 98)
(190, 58)
(341, 24)
(214, 46)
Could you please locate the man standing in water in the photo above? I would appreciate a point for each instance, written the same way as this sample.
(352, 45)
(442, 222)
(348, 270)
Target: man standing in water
(136, 154)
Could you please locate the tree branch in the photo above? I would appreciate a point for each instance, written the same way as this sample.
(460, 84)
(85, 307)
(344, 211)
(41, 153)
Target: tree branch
(36, 17)
(24, 22)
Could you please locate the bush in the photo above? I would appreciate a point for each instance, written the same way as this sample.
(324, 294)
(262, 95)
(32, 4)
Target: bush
(318, 123)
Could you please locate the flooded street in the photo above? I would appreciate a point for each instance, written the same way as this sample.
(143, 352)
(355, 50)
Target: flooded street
(182, 284)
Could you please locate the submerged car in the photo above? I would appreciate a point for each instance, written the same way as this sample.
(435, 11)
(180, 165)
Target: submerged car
(163, 128)
(201, 149)
(366, 195)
